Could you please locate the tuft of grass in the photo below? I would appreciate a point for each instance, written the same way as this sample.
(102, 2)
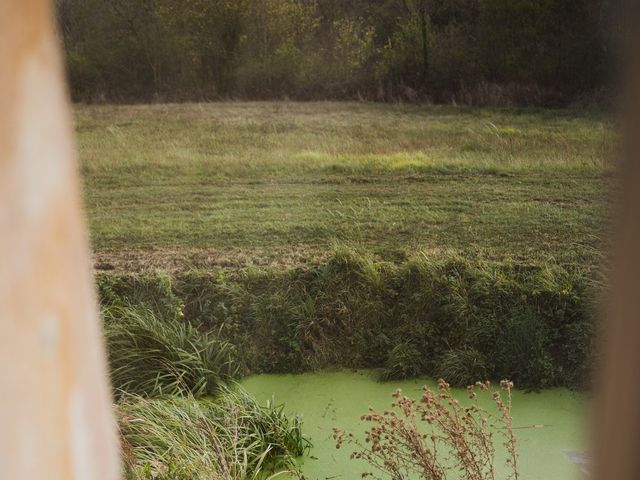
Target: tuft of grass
(229, 437)
(462, 366)
(152, 356)
(403, 361)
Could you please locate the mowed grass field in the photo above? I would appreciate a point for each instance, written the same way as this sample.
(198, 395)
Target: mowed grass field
(236, 184)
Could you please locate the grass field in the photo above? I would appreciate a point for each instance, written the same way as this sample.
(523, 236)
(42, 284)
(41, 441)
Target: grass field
(240, 238)
(235, 184)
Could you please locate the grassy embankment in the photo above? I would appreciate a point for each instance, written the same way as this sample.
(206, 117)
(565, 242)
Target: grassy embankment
(358, 235)
(254, 237)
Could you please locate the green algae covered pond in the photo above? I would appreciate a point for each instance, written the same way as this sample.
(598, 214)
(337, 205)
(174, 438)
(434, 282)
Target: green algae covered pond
(338, 399)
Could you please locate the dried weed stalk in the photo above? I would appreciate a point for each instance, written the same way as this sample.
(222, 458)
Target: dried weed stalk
(437, 438)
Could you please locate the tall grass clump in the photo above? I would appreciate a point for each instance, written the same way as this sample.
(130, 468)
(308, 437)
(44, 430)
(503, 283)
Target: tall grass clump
(229, 437)
(403, 361)
(153, 356)
(462, 366)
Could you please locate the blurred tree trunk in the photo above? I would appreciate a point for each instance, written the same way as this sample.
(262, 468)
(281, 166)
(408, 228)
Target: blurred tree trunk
(55, 404)
(617, 434)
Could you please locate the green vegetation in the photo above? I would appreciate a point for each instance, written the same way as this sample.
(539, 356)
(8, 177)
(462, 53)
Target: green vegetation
(480, 52)
(423, 317)
(235, 184)
(422, 241)
(178, 412)
(240, 238)
(230, 437)
(152, 356)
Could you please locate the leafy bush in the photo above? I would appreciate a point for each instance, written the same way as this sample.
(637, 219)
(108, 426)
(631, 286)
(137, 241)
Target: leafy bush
(230, 436)
(150, 356)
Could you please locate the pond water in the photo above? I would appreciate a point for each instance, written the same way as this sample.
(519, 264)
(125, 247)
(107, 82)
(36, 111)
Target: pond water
(337, 399)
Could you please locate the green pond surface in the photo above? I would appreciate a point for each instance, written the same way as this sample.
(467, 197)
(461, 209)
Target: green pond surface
(338, 399)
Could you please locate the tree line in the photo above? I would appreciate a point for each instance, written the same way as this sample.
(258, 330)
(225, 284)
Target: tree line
(539, 52)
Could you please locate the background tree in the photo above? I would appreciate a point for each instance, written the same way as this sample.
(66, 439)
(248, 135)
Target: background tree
(542, 52)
